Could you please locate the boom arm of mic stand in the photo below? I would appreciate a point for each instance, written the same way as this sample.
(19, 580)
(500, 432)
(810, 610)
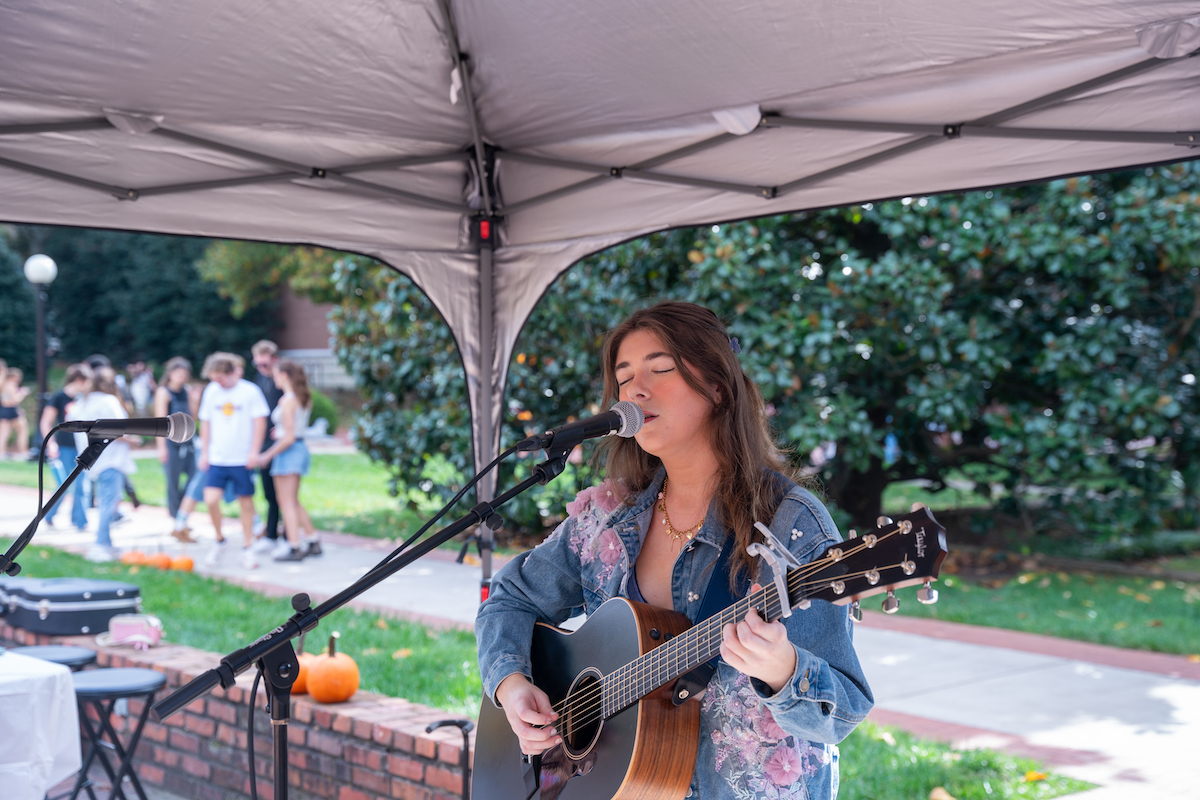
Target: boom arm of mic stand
(240, 660)
(8, 563)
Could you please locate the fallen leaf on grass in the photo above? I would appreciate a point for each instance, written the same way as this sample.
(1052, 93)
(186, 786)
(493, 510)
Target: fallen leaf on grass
(1120, 626)
(939, 793)
(887, 738)
(472, 561)
(403, 652)
(1124, 590)
(381, 623)
(370, 651)
(1154, 623)
(1142, 598)
(1158, 586)
(1034, 775)
(1022, 615)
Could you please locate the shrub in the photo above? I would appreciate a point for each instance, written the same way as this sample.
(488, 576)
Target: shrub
(323, 408)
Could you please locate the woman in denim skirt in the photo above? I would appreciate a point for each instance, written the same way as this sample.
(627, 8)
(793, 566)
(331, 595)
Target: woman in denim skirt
(290, 460)
(702, 469)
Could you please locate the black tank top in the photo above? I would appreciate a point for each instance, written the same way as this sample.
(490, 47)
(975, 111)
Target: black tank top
(179, 401)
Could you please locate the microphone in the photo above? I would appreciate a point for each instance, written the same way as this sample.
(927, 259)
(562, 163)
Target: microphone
(624, 419)
(179, 427)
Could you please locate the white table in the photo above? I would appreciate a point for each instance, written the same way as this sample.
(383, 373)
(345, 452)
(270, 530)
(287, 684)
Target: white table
(39, 726)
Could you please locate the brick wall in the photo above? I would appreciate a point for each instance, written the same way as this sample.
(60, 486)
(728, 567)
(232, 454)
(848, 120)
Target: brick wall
(369, 748)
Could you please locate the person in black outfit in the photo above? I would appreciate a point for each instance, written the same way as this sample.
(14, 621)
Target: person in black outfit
(176, 394)
(266, 356)
(60, 451)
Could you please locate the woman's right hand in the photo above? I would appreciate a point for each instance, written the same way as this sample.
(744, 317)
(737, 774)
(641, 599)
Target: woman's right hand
(528, 707)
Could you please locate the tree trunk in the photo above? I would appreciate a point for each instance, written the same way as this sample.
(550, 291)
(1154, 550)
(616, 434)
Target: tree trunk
(861, 494)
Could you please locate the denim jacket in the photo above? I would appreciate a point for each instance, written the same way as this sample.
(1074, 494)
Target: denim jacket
(752, 746)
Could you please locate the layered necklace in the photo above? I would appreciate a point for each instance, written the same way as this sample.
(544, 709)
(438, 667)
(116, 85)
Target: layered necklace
(676, 535)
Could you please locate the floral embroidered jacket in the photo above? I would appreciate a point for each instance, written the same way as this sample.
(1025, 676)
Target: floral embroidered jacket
(752, 746)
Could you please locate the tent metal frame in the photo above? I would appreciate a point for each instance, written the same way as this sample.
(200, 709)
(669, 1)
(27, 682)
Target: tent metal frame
(484, 204)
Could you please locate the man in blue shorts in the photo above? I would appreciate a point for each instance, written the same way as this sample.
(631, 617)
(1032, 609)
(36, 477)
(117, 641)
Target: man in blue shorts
(233, 421)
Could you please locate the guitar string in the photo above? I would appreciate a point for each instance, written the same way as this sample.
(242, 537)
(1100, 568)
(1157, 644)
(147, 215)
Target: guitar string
(632, 676)
(629, 682)
(586, 715)
(622, 684)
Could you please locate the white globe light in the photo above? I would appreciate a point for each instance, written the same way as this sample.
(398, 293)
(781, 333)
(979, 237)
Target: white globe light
(40, 269)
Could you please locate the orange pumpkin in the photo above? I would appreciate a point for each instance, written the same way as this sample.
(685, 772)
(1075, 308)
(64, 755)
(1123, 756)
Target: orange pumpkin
(133, 557)
(183, 563)
(333, 676)
(159, 560)
(301, 684)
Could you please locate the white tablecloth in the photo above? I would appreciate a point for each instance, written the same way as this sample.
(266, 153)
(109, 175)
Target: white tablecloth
(39, 726)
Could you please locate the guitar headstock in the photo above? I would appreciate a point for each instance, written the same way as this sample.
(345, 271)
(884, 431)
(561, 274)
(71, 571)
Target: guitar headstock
(897, 553)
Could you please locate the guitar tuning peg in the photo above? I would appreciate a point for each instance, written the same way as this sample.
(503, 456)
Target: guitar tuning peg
(852, 534)
(890, 604)
(883, 522)
(856, 611)
(927, 595)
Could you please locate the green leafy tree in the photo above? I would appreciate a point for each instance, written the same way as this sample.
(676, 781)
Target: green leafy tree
(1042, 339)
(17, 344)
(138, 296)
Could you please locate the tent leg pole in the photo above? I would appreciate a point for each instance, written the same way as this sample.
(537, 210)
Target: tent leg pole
(486, 488)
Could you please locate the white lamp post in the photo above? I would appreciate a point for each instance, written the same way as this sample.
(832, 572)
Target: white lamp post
(40, 270)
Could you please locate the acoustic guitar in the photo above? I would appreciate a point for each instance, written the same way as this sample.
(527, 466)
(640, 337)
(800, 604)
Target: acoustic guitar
(611, 681)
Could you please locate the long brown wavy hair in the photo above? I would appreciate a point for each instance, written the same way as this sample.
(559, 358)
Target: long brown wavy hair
(748, 485)
(299, 380)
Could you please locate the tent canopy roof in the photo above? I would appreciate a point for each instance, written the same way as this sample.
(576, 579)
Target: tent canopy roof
(382, 126)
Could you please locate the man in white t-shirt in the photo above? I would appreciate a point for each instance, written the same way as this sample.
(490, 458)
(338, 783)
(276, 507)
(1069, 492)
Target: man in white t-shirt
(233, 421)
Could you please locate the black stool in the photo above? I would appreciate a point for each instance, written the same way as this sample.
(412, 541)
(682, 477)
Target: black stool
(102, 688)
(75, 658)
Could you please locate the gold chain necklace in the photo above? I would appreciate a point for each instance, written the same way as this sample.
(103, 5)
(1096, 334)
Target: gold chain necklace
(675, 534)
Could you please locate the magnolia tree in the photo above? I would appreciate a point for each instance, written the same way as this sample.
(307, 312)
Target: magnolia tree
(1040, 340)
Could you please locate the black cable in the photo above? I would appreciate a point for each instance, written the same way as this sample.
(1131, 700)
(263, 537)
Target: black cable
(250, 735)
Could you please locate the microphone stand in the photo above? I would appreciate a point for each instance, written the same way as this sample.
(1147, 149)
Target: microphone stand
(273, 653)
(8, 564)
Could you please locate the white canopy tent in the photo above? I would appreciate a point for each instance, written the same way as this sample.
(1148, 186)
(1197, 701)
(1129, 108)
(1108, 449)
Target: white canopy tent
(401, 128)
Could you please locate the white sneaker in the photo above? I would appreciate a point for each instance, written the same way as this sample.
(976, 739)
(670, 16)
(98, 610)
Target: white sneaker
(259, 526)
(248, 559)
(214, 554)
(99, 554)
(263, 545)
(281, 548)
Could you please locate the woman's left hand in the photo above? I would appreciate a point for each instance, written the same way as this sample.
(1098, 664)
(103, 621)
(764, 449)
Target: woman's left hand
(759, 649)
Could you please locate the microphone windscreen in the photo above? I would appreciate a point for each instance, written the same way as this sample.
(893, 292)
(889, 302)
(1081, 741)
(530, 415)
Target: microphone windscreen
(631, 416)
(180, 427)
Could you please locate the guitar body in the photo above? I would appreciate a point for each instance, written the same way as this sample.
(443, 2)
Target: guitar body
(645, 752)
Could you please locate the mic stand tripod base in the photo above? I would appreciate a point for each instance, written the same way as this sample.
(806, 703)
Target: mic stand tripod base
(280, 668)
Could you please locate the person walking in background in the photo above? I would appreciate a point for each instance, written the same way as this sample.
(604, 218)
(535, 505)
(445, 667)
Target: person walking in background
(233, 422)
(98, 361)
(175, 395)
(12, 418)
(141, 386)
(116, 462)
(266, 356)
(289, 459)
(60, 450)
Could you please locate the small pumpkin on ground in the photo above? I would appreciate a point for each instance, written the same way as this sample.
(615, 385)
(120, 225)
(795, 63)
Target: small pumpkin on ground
(133, 557)
(159, 561)
(183, 563)
(332, 676)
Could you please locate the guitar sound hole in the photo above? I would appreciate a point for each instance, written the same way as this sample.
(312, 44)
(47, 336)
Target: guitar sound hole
(579, 722)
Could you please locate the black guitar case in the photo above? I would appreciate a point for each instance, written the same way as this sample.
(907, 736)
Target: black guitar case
(66, 606)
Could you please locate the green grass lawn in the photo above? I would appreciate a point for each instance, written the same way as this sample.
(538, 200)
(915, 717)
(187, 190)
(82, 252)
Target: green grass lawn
(1139, 613)
(344, 492)
(438, 668)
(879, 763)
(395, 657)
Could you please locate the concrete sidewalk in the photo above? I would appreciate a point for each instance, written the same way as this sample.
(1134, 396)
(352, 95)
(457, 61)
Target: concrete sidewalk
(1126, 720)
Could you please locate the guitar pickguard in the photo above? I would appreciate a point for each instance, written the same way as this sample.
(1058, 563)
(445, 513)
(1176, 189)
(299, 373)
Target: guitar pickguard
(557, 768)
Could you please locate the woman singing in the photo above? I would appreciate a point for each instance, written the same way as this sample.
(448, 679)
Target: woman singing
(701, 471)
